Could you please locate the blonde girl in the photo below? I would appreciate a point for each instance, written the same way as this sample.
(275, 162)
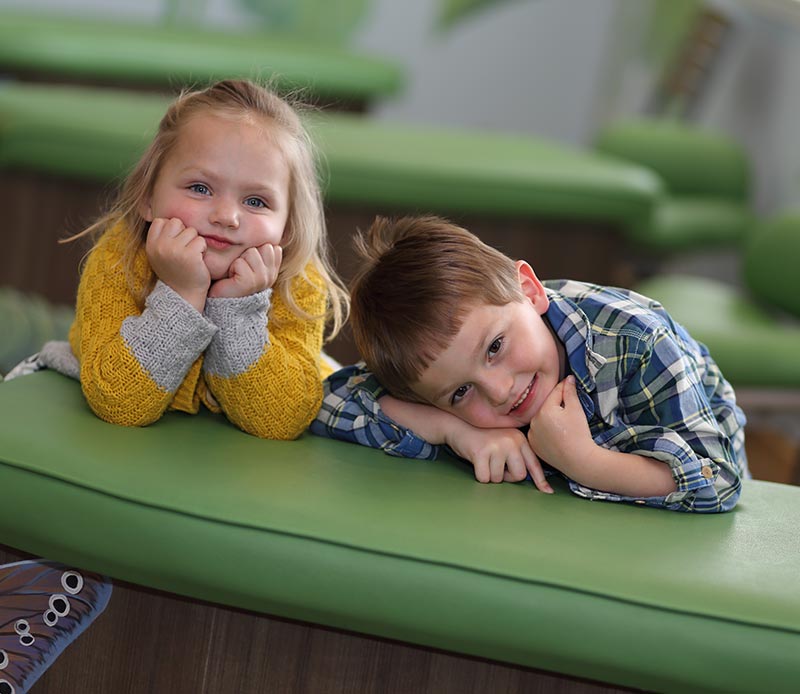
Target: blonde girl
(210, 283)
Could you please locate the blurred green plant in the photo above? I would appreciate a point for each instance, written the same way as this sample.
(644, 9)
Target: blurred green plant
(331, 21)
(453, 11)
(27, 321)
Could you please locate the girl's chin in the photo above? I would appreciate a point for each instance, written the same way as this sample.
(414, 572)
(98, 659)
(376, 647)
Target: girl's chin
(216, 271)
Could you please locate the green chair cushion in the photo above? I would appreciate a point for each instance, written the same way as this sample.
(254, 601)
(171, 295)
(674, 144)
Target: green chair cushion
(770, 262)
(97, 134)
(692, 161)
(340, 535)
(750, 345)
(172, 56)
(689, 223)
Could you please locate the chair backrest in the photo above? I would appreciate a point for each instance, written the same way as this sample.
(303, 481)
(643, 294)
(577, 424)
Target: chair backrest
(771, 258)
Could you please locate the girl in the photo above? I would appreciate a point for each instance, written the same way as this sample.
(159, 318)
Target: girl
(210, 282)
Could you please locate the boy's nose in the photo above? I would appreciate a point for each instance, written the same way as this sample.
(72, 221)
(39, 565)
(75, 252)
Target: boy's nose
(498, 387)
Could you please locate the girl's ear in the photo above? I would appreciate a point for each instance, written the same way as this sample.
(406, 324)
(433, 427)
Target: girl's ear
(532, 288)
(146, 211)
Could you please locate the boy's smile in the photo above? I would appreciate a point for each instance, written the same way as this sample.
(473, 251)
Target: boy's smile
(502, 364)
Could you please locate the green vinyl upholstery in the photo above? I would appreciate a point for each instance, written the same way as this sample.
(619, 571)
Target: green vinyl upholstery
(344, 536)
(96, 135)
(136, 54)
(751, 331)
(705, 176)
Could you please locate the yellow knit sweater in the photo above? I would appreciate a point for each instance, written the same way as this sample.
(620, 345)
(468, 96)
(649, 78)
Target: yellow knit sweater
(137, 364)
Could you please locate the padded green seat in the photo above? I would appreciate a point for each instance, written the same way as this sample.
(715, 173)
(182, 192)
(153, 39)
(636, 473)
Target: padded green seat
(344, 536)
(770, 263)
(97, 134)
(129, 54)
(705, 175)
(753, 345)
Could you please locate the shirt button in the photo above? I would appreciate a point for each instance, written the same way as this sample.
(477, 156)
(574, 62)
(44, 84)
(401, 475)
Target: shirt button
(707, 472)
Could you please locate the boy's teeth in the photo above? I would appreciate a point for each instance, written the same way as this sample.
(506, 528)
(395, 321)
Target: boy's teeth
(523, 396)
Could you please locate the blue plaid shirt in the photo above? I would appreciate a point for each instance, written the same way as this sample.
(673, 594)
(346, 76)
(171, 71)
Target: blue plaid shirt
(645, 385)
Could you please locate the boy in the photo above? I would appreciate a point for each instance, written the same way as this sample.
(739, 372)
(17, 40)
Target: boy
(467, 347)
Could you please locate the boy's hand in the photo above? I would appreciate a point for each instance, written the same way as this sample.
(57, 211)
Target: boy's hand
(559, 432)
(498, 455)
(253, 271)
(175, 252)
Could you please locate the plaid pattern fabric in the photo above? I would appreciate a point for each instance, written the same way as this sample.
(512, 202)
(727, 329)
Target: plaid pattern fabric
(645, 385)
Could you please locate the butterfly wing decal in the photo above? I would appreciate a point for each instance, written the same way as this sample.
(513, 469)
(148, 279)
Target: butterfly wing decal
(44, 606)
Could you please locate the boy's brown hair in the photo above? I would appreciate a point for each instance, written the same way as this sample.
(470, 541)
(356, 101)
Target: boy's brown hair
(417, 278)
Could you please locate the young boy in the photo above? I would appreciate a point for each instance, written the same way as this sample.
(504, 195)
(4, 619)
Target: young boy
(468, 348)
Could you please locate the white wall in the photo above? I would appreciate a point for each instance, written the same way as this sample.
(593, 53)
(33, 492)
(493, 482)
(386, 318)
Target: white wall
(531, 66)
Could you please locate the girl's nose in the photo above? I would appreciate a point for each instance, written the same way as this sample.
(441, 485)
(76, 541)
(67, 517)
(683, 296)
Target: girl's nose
(225, 214)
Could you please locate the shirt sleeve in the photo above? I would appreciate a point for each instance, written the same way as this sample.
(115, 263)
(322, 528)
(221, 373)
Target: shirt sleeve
(667, 415)
(263, 366)
(351, 412)
(132, 361)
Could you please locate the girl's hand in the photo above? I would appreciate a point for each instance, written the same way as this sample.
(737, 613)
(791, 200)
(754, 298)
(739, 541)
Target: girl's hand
(559, 432)
(498, 455)
(253, 271)
(175, 252)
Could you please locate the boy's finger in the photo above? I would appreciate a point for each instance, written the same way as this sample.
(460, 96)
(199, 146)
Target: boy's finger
(570, 391)
(535, 470)
(497, 468)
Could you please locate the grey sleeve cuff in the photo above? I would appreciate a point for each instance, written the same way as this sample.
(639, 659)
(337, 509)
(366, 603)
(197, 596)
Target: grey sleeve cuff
(168, 337)
(242, 335)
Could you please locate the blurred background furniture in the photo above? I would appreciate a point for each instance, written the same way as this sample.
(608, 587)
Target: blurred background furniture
(753, 332)
(706, 177)
(166, 57)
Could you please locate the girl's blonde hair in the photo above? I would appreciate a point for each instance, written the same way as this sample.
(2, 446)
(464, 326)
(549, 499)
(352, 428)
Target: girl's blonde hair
(305, 238)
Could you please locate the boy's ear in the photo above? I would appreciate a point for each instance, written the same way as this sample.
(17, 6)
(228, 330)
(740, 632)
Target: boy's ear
(532, 288)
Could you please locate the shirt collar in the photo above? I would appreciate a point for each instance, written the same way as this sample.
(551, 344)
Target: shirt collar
(574, 330)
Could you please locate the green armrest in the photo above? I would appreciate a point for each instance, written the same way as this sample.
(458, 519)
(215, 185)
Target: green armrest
(97, 134)
(750, 345)
(692, 223)
(340, 535)
(128, 52)
(692, 161)
(770, 262)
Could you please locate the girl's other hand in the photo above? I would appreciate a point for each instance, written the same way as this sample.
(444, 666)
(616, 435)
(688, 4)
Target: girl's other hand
(175, 253)
(253, 271)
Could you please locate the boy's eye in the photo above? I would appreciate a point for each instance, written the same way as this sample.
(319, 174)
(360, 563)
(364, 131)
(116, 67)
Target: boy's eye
(495, 347)
(255, 202)
(201, 188)
(459, 393)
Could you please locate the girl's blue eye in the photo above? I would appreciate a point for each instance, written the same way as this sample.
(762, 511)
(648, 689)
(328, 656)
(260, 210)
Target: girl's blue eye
(200, 188)
(495, 347)
(459, 393)
(255, 202)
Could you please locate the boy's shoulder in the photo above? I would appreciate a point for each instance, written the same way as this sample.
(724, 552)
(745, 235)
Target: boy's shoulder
(608, 309)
